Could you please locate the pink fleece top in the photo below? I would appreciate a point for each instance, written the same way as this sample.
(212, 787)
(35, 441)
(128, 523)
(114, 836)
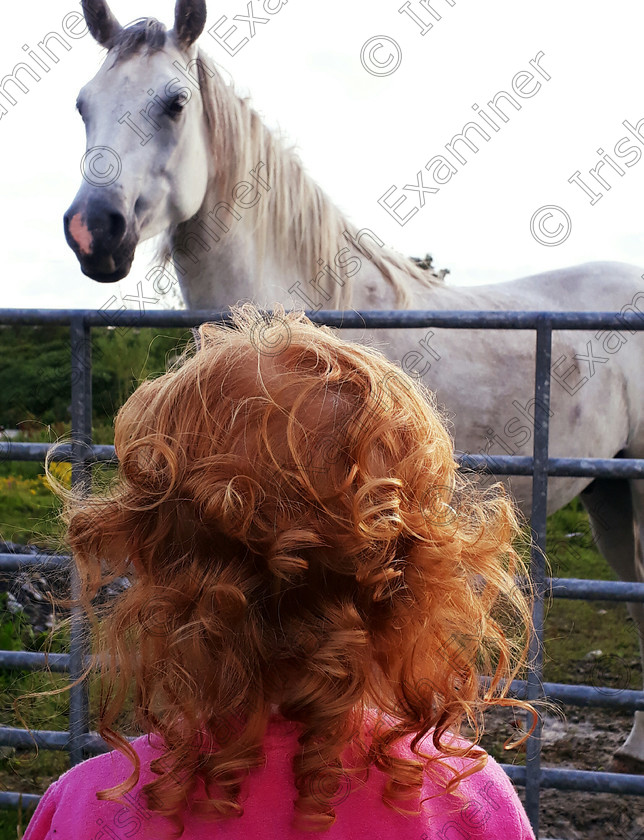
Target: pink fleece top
(69, 809)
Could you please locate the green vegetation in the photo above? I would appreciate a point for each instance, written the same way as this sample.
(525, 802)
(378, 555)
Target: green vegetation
(574, 630)
(33, 771)
(586, 642)
(34, 382)
(35, 375)
(577, 630)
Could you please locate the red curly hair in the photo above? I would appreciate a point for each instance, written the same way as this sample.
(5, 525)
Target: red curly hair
(296, 533)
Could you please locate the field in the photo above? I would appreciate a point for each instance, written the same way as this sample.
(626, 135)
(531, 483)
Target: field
(586, 642)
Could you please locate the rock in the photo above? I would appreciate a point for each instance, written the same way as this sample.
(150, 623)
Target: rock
(13, 605)
(29, 591)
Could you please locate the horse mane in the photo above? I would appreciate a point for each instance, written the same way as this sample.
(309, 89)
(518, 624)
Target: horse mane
(298, 224)
(145, 33)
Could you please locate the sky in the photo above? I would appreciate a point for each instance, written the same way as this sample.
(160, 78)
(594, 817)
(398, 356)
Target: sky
(371, 94)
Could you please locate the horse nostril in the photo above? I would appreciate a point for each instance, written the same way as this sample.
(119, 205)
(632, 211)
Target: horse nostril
(117, 226)
(67, 221)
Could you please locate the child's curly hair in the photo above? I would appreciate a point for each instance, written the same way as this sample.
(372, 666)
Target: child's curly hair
(289, 512)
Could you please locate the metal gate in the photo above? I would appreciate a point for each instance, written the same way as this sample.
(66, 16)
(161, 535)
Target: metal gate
(80, 743)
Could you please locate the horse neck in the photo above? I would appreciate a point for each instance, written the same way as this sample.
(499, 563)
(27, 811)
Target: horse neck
(266, 232)
(233, 265)
(216, 268)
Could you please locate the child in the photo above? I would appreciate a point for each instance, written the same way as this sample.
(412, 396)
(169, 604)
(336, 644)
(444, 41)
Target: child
(314, 593)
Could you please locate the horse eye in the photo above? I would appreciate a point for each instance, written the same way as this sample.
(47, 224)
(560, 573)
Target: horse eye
(175, 106)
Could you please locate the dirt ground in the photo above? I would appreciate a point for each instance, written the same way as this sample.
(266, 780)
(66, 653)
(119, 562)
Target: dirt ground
(584, 740)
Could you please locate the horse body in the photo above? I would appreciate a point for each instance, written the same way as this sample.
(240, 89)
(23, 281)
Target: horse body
(484, 378)
(243, 221)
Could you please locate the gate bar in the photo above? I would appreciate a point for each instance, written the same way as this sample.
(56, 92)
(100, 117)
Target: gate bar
(625, 784)
(499, 464)
(80, 322)
(81, 481)
(537, 565)
(373, 318)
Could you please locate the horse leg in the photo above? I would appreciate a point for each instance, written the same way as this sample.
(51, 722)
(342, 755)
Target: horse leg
(630, 757)
(610, 505)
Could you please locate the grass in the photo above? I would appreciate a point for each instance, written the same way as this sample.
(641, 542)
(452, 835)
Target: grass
(28, 508)
(32, 771)
(575, 630)
(29, 515)
(585, 642)
(28, 511)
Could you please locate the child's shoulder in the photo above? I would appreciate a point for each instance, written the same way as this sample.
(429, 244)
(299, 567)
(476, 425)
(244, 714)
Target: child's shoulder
(71, 800)
(486, 800)
(109, 766)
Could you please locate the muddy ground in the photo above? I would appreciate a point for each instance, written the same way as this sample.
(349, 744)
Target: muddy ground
(585, 739)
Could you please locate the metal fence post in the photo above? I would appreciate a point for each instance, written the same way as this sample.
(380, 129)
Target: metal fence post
(537, 565)
(81, 480)
(540, 466)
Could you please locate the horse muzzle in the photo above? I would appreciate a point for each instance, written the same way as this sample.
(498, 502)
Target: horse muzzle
(103, 241)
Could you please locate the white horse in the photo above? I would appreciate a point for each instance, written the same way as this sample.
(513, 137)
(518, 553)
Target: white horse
(172, 149)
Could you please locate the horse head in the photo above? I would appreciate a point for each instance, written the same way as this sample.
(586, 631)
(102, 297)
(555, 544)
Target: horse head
(146, 167)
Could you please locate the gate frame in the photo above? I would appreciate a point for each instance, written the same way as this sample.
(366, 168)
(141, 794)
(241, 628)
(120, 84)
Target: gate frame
(82, 455)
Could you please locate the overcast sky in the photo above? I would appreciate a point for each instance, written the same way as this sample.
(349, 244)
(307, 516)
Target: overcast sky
(360, 133)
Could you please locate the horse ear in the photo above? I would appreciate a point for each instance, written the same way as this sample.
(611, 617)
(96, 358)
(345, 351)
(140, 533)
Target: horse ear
(189, 21)
(102, 23)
